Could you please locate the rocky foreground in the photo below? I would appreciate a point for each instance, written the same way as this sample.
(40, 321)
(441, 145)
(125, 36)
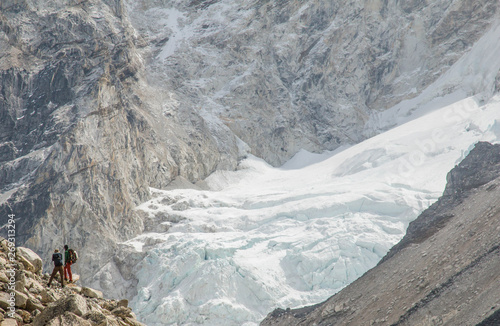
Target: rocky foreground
(443, 272)
(25, 298)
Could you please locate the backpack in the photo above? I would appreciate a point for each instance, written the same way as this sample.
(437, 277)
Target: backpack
(73, 256)
(57, 259)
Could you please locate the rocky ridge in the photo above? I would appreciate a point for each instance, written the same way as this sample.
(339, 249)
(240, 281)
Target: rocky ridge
(25, 298)
(443, 272)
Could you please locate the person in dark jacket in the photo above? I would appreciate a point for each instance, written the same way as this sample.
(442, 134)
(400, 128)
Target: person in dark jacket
(67, 265)
(58, 267)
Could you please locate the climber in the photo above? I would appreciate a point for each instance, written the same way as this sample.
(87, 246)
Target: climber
(67, 264)
(58, 267)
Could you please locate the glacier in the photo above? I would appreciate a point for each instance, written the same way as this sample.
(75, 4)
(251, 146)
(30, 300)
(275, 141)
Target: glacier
(263, 237)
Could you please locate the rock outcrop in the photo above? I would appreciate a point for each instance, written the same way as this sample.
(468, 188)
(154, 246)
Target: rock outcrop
(25, 298)
(442, 273)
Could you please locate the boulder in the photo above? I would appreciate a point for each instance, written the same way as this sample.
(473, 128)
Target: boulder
(3, 277)
(4, 245)
(5, 300)
(68, 319)
(31, 257)
(3, 261)
(109, 305)
(32, 305)
(49, 296)
(20, 281)
(34, 286)
(36, 312)
(98, 318)
(73, 303)
(123, 312)
(123, 303)
(27, 265)
(21, 300)
(8, 322)
(74, 288)
(92, 293)
(10, 274)
(26, 316)
(133, 322)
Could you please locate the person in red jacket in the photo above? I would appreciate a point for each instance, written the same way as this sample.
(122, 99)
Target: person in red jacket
(67, 265)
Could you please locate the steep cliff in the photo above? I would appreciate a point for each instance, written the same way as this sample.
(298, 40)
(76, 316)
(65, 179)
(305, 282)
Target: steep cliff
(291, 75)
(443, 271)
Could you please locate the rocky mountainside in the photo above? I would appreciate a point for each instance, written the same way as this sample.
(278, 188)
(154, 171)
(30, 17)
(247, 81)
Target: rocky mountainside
(79, 147)
(443, 272)
(102, 99)
(291, 75)
(25, 298)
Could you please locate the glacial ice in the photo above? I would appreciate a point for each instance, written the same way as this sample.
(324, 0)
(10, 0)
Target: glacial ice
(267, 237)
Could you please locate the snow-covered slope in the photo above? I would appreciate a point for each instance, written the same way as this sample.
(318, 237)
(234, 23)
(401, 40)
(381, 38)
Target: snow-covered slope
(443, 271)
(265, 237)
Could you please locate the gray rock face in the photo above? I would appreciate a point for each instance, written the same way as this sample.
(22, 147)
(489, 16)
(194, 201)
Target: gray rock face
(442, 272)
(288, 75)
(478, 168)
(80, 142)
